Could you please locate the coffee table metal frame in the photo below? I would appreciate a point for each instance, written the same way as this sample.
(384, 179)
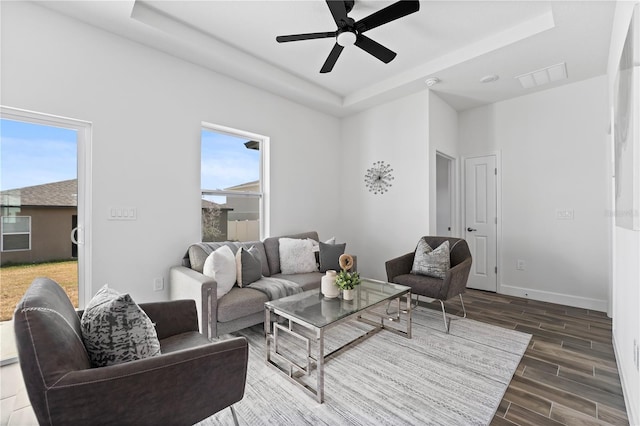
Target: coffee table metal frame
(294, 372)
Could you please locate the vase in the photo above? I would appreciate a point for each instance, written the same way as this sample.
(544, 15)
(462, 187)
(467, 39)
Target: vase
(348, 294)
(328, 285)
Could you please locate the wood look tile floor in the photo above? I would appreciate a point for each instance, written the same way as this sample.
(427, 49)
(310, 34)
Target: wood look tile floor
(568, 375)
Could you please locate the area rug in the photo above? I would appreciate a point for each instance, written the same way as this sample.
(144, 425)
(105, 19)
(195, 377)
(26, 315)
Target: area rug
(432, 379)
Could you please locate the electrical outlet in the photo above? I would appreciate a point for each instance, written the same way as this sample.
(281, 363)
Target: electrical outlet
(158, 284)
(521, 265)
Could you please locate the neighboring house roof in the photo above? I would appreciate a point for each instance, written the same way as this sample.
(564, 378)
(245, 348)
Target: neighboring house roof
(55, 194)
(249, 186)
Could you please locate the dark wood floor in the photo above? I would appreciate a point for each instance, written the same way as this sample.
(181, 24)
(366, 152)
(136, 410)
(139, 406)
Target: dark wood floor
(568, 375)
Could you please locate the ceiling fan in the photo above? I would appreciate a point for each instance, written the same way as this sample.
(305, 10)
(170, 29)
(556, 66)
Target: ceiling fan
(350, 32)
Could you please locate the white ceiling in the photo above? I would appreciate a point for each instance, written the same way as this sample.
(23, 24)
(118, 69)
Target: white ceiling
(457, 41)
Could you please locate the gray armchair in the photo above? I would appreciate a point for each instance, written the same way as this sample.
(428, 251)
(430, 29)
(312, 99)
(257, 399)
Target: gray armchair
(453, 284)
(192, 379)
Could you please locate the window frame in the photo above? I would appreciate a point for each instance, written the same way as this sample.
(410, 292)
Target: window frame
(2, 234)
(263, 177)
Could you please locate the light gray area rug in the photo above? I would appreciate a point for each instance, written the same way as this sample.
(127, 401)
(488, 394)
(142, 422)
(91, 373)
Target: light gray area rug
(432, 379)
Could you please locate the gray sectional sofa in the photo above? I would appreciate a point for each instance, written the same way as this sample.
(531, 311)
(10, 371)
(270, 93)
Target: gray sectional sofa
(242, 307)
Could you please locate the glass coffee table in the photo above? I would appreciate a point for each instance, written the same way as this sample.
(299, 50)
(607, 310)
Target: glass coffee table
(312, 311)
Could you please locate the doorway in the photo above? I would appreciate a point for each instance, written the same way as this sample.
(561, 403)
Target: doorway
(481, 220)
(45, 199)
(445, 207)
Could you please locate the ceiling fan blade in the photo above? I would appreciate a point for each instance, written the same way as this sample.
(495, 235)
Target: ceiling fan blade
(374, 48)
(331, 59)
(338, 11)
(388, 14)
(310, 36)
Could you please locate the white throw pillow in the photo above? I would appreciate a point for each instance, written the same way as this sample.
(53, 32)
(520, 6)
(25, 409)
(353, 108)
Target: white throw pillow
(221, 265)
(316, 244)
(296, 256)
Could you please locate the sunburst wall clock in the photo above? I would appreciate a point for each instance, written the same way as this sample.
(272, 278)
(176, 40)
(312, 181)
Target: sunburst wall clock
(378, 178)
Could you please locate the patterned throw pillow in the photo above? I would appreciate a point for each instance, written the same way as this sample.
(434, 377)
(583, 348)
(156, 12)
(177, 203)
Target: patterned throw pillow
(430, 262)
(296, 256)
(248, 266)
(115, 329)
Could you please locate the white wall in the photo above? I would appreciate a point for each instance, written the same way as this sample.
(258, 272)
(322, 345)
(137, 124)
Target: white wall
(380, 227)
(146, 108)
(553, 157)
(443, 138)
(625, 254)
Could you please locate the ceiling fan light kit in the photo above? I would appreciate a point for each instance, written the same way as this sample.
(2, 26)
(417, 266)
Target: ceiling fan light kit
(350, 32)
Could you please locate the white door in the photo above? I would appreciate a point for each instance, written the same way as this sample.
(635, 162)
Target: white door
(481, 221)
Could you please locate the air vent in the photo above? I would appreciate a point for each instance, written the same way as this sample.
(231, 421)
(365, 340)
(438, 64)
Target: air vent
(543, 76)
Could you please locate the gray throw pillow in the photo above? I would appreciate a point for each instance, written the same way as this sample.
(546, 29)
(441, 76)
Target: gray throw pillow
(249, 267)
(430, 262)
(115, 329)
(330, 256)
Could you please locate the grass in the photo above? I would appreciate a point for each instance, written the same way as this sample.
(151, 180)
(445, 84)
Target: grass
(14, 281)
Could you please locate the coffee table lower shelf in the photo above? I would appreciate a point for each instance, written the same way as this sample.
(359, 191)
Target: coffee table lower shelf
(293, 370)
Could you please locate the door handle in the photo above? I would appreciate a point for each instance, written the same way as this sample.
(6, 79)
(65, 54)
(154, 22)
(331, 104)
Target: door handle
(76, 237)
(471, 229)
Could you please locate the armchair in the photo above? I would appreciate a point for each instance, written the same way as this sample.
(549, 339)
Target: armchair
(192, 379)
(453, 284)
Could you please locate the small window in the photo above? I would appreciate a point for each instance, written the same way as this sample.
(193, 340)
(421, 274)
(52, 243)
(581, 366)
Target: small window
(16, 233)
(231, 185)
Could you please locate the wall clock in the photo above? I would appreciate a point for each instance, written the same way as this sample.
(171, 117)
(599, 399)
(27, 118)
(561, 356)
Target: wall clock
(378, 178)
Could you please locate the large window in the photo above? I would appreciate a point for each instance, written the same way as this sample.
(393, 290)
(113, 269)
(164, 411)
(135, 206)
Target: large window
(232, 184)
(16, 233)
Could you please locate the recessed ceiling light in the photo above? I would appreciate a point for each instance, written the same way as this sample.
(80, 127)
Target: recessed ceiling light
(432, 81)
(489, 78)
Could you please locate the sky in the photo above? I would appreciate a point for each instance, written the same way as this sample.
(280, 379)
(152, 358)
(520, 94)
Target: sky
(226, 162)
(33, 154)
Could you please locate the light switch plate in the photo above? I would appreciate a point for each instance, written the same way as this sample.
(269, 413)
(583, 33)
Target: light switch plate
(564, 214)
(122, 213)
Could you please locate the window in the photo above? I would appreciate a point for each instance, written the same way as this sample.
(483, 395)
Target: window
(16, 233)
(232, 184)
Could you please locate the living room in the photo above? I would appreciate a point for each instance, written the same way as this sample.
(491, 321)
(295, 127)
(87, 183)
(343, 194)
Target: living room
(146, 107)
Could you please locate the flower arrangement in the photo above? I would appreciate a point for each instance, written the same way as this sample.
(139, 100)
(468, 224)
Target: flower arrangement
(347, 280)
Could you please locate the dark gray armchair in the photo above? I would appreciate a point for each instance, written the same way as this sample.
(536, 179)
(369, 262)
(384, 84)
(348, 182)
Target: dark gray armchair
(192, 379)
(453, 284)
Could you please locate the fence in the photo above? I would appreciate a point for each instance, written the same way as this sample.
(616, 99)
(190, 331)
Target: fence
(243, 230)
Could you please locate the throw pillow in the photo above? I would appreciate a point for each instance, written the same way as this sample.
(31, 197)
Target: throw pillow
(296, 256)
(115, 329)
(430, 262)
(316, 244)
(248, 266)
(330, 256)
(221, 265)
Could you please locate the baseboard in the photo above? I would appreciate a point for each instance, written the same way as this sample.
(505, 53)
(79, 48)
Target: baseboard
(631, 405)
(551, 297)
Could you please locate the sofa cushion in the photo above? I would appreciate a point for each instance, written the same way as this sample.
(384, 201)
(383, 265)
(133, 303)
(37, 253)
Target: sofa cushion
(308, 281)
(296, 256)
(431, 262)
(248, 266)
(330, 256)
(272, 250)
(221, 266)
(240, 302)
(198, 253)
(116, 330)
